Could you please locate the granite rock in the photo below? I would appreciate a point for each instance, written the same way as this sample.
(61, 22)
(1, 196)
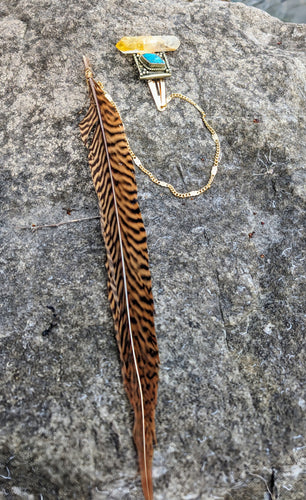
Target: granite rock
(226, 267)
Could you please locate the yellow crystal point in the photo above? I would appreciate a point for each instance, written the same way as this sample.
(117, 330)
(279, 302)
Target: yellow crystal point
(143, 44)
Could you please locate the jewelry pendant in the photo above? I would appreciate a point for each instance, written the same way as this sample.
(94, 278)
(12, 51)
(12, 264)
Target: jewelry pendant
(149, 53)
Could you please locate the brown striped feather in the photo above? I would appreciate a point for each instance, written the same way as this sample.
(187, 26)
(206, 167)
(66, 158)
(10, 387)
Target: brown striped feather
(129, 280)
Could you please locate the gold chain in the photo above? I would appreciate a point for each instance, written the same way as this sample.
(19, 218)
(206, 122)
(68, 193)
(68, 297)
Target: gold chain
(214, 168)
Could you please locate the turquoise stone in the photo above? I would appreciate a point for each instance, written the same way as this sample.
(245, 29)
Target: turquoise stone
(153, 59)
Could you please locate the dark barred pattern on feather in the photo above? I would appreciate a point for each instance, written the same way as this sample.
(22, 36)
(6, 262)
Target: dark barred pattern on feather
(129, 280)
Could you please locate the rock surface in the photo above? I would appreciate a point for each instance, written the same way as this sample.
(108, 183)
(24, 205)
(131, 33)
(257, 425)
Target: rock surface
(226, 266)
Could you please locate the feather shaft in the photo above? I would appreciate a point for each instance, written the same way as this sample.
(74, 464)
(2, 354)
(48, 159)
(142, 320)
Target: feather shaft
(129, 282)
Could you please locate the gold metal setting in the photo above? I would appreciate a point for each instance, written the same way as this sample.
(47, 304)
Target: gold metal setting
(152, 73)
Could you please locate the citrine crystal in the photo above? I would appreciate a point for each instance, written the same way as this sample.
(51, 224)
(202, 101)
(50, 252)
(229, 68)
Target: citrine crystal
(143, 44)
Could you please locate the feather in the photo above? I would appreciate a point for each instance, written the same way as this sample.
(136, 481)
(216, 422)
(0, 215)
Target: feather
(129, 280)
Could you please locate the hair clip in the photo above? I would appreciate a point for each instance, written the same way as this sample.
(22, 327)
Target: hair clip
(149, 53)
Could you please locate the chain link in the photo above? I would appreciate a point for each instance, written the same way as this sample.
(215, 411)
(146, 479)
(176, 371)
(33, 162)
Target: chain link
(214, 168)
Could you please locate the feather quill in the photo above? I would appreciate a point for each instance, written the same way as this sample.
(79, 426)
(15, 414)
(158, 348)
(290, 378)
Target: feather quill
(129, 280)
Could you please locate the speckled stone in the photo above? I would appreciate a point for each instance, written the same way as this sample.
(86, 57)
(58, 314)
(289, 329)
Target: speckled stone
(226, 267)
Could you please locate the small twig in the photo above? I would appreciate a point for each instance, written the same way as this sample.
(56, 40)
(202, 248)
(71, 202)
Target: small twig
(8, 474)
(35, 228)
(263, 479)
